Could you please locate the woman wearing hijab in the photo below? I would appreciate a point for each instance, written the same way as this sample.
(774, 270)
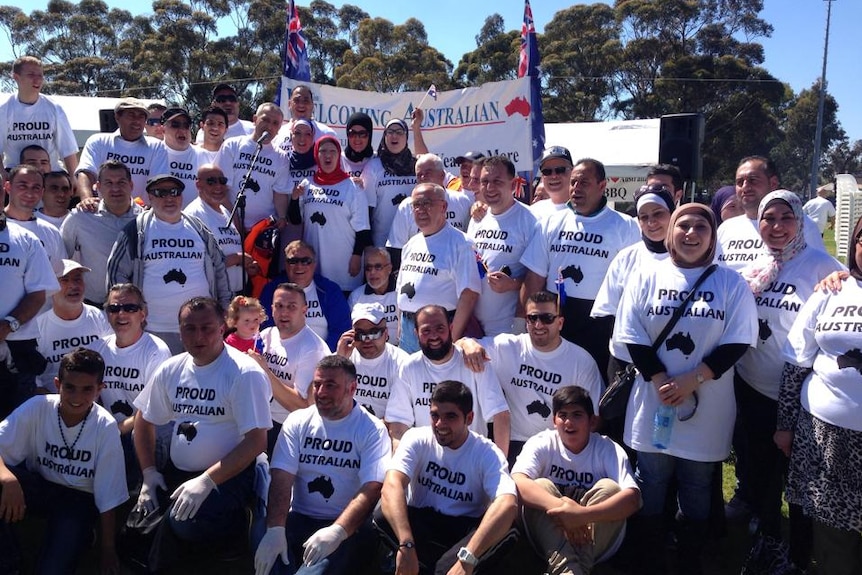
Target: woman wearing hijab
(359, 151)
(691, 367)
(782, 281)
(290, 183)
(334, 214)
(820, 417)
(389, 178)
(725, 204)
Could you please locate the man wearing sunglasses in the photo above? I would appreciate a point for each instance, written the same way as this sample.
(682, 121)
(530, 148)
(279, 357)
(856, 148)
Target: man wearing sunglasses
(144, 156)
(571, 253)
(171, 256)
(532, 366)
(183, 158)
(377, 361)
(154, 127)
(555, 169)
(225, 97)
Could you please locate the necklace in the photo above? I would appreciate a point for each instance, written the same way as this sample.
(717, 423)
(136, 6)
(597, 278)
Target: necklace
(70, 451)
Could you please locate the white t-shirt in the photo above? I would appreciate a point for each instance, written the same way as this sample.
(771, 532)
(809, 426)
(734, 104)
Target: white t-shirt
(56, 221)
(777, 308)
(145, 157)
(404, 226)
(93, 463)
(292, 360)
(314, 317)
(25, 268)
(375, 377)
(410, 396)
(354, 168)
(530, 377)
(435, 269)
(544, 455)
(544, 209)
(820, 210)
(173, 271)
(50, 237)
(827, 336)
(238, 128)
(332, 216)
(234, 159)
(460, 482)
(282, 139)
(127, 371)
(722, 312)
(225, 235)
(579, 248)
(390, 307)
(330, 460)
(385, 193)
(43, 123)
(626, 264)
(57, 337)
(739, 243)
(213, 405)
(500, 241)
(183, 164)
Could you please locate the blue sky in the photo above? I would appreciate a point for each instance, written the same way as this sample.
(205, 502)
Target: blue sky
(793, 54)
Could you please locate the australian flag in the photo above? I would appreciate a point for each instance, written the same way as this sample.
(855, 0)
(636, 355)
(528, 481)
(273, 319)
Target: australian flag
(295, 49)
(528, 65)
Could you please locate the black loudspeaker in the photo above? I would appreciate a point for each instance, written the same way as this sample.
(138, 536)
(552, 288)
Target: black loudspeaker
(107, 121)
(680, 138)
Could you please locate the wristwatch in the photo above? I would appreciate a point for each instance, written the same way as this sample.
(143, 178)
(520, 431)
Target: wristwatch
(407, 545)
(466, 556)
(14, 324)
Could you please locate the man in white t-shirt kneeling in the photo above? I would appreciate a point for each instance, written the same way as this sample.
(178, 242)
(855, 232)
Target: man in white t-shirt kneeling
(448, 499)
(576, 487)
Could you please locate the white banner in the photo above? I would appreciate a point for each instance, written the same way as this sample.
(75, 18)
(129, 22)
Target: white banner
(493, 118)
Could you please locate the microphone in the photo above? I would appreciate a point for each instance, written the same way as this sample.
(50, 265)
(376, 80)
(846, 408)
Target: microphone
(263, 137)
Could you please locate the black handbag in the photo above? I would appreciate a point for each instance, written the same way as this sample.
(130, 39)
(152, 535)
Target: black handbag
(616, 397)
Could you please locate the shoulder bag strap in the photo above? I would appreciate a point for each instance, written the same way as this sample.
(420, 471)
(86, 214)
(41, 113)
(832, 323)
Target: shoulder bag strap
(677, 313)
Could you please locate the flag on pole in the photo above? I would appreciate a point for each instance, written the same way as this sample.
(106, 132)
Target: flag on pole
(432, 91)
(295, 49)
(528, 65)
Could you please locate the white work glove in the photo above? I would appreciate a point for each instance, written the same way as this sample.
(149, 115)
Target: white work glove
(324, 541)
(147, 500)
(190, 496)
(273, 544)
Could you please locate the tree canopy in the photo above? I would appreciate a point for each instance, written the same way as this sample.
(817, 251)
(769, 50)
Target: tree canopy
(635, 59)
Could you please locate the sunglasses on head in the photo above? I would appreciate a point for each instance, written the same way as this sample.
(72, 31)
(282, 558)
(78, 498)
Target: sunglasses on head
(225, 98)
(126, 307)
(545, 318)
(558, 170)
(168, 193)
(213, 180)
(370, 335)
(300, 261)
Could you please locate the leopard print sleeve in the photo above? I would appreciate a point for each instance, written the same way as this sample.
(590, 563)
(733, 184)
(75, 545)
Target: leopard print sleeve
(789, 395)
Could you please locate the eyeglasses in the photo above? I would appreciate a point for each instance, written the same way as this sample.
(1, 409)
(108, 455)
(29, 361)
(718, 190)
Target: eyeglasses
(376, 267)
(166, 193)
(154, 121)
(394, 132)
(545, 318)
(423, 204)
(126, 307)
(300, 261)
(357, 134)
(179, 125)
(225, 98)
(213, 180)
(370, 335)
(558, 170)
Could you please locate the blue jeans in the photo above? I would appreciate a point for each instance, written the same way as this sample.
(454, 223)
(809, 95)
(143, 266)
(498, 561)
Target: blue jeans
(694, 478)
(350, 557)
(409, 341)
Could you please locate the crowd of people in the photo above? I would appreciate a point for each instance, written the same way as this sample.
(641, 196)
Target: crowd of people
(263, 334)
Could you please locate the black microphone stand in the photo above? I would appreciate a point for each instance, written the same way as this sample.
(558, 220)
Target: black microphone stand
(239, 208)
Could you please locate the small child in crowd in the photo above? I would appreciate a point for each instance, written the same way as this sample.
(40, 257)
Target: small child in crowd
(244, 316)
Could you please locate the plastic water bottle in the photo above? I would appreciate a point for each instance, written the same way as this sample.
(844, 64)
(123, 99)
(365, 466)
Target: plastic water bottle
(663, 425)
